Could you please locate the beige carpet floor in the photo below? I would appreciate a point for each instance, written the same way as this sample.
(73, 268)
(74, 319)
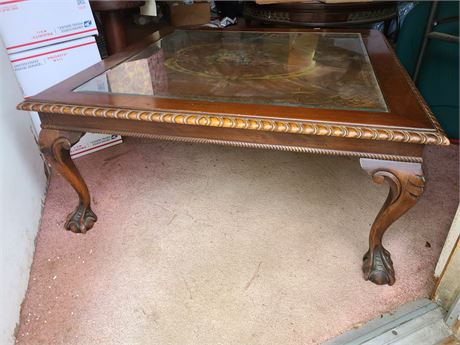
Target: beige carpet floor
(209, 245)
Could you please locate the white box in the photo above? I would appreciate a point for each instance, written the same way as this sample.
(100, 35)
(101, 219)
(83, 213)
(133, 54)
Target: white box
(41, 68)
(30, 24)
(44, 67)
(92, 142)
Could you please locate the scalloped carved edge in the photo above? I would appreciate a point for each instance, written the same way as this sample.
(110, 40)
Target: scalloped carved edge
(258, 124)
(244, 144)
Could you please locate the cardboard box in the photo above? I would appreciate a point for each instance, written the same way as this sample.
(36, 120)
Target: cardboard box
(41, 68)
(92, 142)
(30, 24)
(198, 13)
(44, 67)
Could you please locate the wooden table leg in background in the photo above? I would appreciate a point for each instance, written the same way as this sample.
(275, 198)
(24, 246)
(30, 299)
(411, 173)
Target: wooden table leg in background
(114, 31)
(112, 21)
(406, 183)
(56, 145)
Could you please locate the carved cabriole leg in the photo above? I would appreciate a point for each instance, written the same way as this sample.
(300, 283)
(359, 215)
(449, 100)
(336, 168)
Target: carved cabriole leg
(406, 186)
(56, 145)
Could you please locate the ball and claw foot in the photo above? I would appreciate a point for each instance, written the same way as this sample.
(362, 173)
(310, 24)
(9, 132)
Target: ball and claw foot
(378, 267)
(80, 220)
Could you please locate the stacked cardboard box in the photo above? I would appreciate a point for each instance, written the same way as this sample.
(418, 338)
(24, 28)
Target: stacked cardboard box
(47, 42)
(196, 13)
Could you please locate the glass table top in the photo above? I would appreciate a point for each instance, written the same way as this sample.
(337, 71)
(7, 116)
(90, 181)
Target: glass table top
(301, 69)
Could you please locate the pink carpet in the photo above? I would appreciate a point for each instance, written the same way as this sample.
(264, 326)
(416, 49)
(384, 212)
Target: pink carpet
(215, 245)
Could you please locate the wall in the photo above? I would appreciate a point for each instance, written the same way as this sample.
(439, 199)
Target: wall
(449, 266)
(452, 237)
(22, 192)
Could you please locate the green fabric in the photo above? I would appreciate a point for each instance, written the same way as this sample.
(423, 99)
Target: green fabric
(411, 35)
(438, 80)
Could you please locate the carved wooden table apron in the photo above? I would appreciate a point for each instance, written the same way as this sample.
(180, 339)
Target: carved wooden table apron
(328, 92)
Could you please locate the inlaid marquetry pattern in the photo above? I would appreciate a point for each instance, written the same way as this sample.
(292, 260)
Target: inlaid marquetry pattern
(259, 124)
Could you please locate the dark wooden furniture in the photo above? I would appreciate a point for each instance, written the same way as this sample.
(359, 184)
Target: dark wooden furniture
(112, 21)
(326, 92)
(318, 14)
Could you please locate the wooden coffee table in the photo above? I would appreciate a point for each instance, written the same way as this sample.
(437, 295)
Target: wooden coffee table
(329, 92)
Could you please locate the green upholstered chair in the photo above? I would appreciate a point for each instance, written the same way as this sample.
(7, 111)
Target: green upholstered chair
(438, 79)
